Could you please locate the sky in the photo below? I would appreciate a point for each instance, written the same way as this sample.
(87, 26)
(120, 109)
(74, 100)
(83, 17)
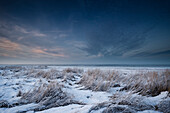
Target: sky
(84, 32)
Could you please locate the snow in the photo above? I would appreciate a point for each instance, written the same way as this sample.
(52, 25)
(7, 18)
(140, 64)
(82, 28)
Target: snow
(88, 96)
(17, 109)
(155, 100)
(149, 111)
(13, 82)
(73, 108)
(98, 111)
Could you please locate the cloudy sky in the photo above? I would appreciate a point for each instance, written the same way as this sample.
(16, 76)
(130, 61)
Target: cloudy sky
(85, 31)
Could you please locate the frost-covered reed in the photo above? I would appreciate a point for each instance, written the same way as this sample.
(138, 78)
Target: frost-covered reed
(146, 83)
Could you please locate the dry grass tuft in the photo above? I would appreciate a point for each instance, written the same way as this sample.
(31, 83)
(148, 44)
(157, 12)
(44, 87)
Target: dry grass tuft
(99, 80)
(4, 73)
(30, 72)
(12, 68)
(19, 93)
(150, 83)
(50, 74)
(145, 83)
(68, 76)
(73, 70)
(50, 95)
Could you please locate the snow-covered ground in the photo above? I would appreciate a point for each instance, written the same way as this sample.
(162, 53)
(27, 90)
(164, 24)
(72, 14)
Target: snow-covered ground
(17, 83)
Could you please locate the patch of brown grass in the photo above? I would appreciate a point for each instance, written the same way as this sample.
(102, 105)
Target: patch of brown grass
(48, 95)
(145, 83)
(150, 83)
(73, 70)
(50, 74)
(99, 80)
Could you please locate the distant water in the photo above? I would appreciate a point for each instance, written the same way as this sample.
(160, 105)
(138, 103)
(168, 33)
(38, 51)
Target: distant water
(113, 65)
(130, 68)
(93, 65)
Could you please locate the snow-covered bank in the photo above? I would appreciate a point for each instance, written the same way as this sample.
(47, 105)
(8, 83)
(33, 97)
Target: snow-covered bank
(84, 90)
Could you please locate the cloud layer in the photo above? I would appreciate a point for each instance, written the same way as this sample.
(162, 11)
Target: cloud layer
(86, 31)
